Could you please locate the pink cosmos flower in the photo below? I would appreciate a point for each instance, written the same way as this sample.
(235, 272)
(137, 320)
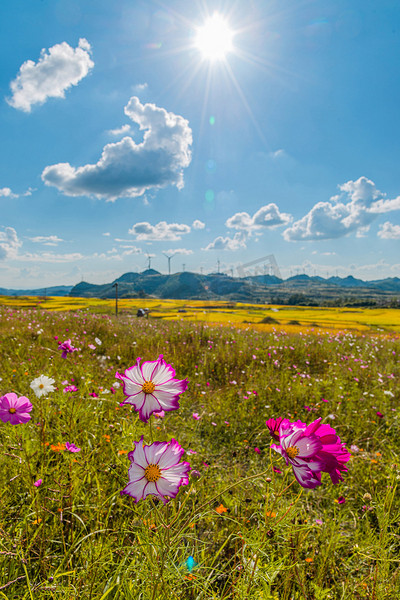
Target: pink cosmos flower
(156, 470)
(66, 348)
(196, 416)
(151, 387)
(71, 447)
(311, 450)
(274, 426)
(15, 410)
(38, 483)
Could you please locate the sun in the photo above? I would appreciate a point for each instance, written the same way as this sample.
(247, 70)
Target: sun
(214, 38)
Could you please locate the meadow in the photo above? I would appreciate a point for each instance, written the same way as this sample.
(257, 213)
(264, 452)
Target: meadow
(242, 528)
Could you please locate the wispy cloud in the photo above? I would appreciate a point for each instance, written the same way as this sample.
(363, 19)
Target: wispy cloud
(120, 130)
(160, 232)
(128, 169)
(56, 71)
(47, 240)
(7, 192)
(173, 252)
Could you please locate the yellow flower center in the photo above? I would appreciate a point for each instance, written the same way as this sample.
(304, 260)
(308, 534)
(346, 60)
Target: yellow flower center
(152, 472)
(41, 385)
(292, 451)
(148, 387)
(12, 410)
(276, 434)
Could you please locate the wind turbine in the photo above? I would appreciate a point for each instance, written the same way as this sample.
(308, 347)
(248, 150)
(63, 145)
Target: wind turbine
(169, 262)
(149, 257)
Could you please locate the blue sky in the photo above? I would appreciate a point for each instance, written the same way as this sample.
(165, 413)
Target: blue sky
(121, 141)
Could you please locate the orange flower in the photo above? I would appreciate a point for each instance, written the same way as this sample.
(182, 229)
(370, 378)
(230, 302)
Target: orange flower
(270, 514)
(59, 447)
(221, 509)
(309, 560)
(107, 437)
(122, 452)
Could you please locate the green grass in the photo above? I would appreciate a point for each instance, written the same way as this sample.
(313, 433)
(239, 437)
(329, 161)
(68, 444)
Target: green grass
(76, 537)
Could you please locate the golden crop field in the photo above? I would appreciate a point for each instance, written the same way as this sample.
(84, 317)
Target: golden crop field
(259, 316)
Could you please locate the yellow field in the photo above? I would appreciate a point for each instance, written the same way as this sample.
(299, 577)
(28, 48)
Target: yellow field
(237, 314)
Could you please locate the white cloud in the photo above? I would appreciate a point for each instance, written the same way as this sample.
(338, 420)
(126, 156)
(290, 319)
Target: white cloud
(352, 210)
(9, 243)
(389, 231)
(139, 88)
(226, 243)
(384, 206)
(127, 169)
(107, 234)
(56, 71)
(160, 232)
(47, 240)
(267, 216)
(51, 257)
(131, 250)
(121, 130)
(198, 224)
(172, 252)
(7, 193)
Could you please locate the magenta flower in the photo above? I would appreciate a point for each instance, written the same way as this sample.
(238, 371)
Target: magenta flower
(301, 452)
(15, 410)
(38, 483)
(66, 348)
(71, 447)
(274, 426)
(156, 470)
(196, 416)
(341, 500)
(311, 450)
(151, 387)
(70, 388)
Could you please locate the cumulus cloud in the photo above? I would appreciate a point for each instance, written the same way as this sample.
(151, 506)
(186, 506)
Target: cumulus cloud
(9, 243)
(267, 216)
(56, 71)
(47, 240)
(352, 210)
(238, 242)
(389, 231)
(128, 169)
(160, 232)
(198, 224)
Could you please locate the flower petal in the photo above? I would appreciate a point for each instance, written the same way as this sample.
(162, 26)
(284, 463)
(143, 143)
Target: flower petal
(150, 405)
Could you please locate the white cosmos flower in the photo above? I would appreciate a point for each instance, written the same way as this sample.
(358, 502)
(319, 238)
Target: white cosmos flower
(42, 385)
(152, 387)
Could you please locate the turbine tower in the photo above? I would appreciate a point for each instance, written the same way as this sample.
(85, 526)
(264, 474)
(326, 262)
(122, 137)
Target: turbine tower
(149, 257)
(169, 260)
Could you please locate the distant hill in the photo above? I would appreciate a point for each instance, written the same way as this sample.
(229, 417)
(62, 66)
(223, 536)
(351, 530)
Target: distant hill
(58, 290)
(299, 289)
